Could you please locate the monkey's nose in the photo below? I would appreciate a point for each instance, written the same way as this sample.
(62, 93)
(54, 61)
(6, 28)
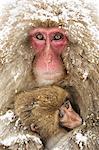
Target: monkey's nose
(61, 113)
(50, 58)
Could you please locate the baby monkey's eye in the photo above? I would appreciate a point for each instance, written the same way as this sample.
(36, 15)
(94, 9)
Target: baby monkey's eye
(58, 36)
(67, 104)
(39, 36)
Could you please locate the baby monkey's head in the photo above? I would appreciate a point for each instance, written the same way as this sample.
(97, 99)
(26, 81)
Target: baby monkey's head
(48, 109)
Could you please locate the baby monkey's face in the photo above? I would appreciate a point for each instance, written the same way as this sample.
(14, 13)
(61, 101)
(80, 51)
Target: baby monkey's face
(68, 117)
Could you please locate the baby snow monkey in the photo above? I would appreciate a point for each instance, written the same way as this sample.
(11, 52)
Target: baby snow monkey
(48, 111)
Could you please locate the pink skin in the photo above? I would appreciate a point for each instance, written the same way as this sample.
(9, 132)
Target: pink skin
(48, 66)
(68, 117)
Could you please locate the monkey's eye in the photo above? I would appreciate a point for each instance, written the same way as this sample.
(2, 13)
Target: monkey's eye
(39, 36)
(58, 36)
(67, 104)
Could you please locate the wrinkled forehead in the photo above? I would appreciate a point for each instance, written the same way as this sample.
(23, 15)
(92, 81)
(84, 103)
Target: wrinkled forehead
(47, 30)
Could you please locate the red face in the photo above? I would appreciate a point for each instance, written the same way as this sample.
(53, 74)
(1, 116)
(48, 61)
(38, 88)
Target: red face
(48, 45)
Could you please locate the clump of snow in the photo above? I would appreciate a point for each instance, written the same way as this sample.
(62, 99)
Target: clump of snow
(12, 132)
(85, 75)
(81, 140)
(19, 138)
(8, 116)
(3, 2)
(9, 140)
(36, 139)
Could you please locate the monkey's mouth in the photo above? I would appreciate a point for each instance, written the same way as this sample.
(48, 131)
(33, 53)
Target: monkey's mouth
(49, 77)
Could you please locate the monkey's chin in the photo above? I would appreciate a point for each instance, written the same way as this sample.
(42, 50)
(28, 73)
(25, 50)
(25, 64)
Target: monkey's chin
(48, 78)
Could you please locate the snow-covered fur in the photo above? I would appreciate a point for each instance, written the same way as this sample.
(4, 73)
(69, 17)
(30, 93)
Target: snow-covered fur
(80, 20)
